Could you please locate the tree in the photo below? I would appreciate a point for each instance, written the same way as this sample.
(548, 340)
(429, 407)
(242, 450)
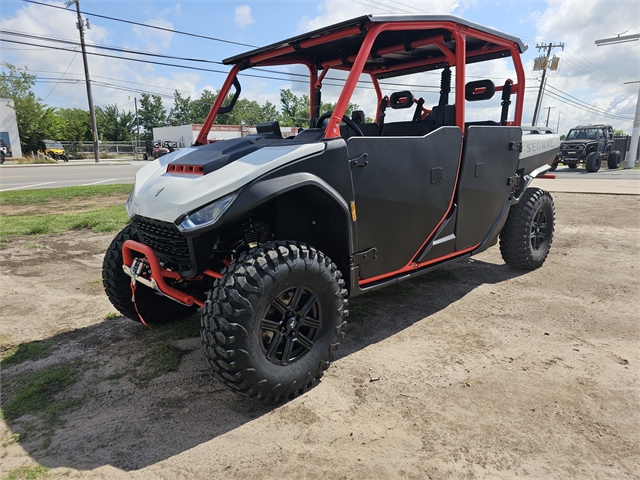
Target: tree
(35, 120)
(151, 114)
(73, 125)
(619, 132)
(295, 110)
(181, 113)
(115, 125)
(200, 107)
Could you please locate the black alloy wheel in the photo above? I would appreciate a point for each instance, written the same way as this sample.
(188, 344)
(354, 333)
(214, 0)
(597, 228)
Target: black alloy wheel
(291, 326)
(539, 230)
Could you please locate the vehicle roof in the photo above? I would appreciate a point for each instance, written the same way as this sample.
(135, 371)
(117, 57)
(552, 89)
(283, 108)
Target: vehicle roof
(595, 125)
(349, 44)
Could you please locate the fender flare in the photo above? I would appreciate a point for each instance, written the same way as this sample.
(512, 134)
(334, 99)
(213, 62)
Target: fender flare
(260, 191)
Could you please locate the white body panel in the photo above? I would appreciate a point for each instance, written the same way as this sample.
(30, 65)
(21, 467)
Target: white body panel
(167, 196)
(537, 143)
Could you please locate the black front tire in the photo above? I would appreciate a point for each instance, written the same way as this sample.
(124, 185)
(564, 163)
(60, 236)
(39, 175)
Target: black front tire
(526, 237)
(614, 159)
(153, 307)
(554, 165)
(593, 162)
(272, 323)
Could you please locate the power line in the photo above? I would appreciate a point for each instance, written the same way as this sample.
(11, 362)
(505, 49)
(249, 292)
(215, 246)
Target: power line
(592, 107)
(593, 65)
(65, 72)
(584, 108)
(105, 47)
(115, 19)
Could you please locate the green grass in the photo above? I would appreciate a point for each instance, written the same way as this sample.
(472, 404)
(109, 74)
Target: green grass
(360, 313)
(48, 195)
(33, 472)
(189, 327)
(27, 351)
(106, 219)
(111, 316)
(163, 357)
(35, 394)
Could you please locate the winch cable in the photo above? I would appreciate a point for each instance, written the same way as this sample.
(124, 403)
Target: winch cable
(135, 305)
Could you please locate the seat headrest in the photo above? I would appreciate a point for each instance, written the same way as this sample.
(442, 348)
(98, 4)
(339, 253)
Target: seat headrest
(402, 99)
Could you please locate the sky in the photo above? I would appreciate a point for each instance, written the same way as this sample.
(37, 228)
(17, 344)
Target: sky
(589, 86)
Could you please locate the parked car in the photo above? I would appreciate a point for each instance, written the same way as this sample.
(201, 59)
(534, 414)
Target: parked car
(590, 145)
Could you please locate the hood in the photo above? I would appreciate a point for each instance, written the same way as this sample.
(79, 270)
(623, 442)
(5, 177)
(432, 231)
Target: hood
(163, 193)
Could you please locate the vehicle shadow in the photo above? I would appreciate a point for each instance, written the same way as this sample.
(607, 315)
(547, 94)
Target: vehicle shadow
(119, 411)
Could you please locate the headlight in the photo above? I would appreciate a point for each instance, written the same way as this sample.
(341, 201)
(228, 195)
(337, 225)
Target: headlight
(207, 215)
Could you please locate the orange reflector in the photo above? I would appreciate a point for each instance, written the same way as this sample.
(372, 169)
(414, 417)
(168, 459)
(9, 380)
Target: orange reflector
(353, 211)
(185, 169)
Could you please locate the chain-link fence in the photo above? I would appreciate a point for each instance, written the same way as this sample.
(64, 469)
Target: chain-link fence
(119, 150)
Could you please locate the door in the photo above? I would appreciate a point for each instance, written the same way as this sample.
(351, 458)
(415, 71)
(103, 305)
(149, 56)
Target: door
(403, 190)
(490, 159)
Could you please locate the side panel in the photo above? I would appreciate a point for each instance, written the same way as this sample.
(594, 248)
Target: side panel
(490, 158)
(402, 193)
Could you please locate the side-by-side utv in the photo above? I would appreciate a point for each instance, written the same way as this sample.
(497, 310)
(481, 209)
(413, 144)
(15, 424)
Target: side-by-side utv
(271, 236)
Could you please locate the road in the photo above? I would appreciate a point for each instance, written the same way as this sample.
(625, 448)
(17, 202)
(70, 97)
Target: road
(22, 177)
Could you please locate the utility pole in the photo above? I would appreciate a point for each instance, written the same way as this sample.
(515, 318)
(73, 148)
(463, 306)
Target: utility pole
(558, 127)
(546, 124)
(544, 77)
(635, 133)
(135, 103)
(94, 127)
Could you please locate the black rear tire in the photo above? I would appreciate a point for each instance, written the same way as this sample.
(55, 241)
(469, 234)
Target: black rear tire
(614, 159)
(272, 323)
(554, 165)
(526, 237)
(153, 307)
(593, 162)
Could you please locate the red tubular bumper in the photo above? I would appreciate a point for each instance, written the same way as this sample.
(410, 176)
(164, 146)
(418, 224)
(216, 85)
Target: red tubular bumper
(158, 273)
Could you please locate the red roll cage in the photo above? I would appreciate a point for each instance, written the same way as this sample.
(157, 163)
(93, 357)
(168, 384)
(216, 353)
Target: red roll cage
(383, 47)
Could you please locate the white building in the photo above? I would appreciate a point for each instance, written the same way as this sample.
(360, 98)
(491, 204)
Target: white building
(9, 127)
(186, 135)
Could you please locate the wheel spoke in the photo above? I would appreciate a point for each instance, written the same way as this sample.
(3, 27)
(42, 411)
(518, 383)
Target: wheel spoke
(304, 311)
(304, 341)
(279, 306)
(293, 304)
(275, 343)
(287, 351)
(270, 325)
(310, 322)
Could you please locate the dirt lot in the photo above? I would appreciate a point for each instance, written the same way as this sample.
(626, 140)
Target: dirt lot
(477, 372)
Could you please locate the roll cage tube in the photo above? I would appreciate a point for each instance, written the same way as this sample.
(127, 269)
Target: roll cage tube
(459, 33)
(217, 105)
(457, 58)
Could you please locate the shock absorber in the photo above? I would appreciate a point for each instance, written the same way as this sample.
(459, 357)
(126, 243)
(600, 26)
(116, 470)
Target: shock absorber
(250, 231)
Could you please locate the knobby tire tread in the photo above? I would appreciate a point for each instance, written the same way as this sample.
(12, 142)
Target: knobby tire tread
(515, 243)
(154, 308)
(225, 339)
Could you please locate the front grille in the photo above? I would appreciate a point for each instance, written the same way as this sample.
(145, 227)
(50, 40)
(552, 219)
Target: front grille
(165, 239)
